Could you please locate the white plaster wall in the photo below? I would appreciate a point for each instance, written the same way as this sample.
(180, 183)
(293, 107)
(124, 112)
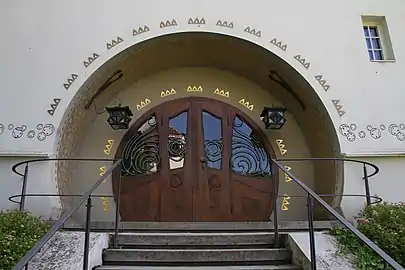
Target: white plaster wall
(388, 183)
(39, 181)
(44, 42)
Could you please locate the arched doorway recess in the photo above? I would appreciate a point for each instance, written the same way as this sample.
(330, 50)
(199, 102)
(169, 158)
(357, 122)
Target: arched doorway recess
(195, 159)
(222, 55)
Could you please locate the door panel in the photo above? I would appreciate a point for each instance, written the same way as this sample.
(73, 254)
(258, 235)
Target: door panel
(252, 174)
(213, 173)
(176, 185)
(195, 159)
(141, 173)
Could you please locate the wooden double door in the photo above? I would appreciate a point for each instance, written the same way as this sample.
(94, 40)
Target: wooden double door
(195, 159)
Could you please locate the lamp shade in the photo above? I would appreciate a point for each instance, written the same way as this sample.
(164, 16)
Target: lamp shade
(273, 118)
(119, 117)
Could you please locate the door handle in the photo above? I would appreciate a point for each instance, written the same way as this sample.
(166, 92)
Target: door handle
(203, 160)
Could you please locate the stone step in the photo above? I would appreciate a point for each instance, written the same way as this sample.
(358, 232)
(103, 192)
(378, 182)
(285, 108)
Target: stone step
(199, 226)
(194, 256)
(222, 226)
(198, 239)
(244, 267)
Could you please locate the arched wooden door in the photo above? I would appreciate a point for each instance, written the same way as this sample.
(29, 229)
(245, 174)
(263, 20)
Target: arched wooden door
(195, 159)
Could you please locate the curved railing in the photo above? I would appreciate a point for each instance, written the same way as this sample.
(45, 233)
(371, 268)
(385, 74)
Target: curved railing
(366, 176)
(311, 197)
(27, 162)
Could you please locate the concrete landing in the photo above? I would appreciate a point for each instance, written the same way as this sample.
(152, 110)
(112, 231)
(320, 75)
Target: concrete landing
(326, 249)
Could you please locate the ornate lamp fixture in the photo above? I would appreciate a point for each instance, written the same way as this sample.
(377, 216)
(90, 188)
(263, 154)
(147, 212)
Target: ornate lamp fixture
(273, 118)
(119, 117)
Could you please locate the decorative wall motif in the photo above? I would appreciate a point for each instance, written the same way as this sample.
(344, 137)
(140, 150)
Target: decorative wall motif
(253, 31)
(104, 201)
(196, 21)
(103, 169)
(54, 105)
(140, 30)
(168, 23)
(108, 147)
(287, 178)
(279, 44)
(114, 43)
(302, 61)
(168, 92)
(322, 82)
(285, 203)
(199, 21)
(143, 104)
(281, 147)
(352, 133)
(194, 88)
(338, 107)
(90, 60)
(225, 24)
(42, 131)
(221, 92)
(72, 78)
(246, 104)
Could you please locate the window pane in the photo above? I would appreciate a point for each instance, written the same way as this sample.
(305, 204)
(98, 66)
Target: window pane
(141, 153)
(368, 43)
(376, 43)
(371, 55)
(249, 157)
(378, 55)
(177, 140)
(366, 32)
(212, 132)
(373, 32)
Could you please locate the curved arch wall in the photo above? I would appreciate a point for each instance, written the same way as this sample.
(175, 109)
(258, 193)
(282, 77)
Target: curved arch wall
(51, 65)
(100, 137)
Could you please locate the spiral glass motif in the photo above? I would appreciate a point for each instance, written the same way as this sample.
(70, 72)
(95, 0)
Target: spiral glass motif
(141, 154)
(249, 157)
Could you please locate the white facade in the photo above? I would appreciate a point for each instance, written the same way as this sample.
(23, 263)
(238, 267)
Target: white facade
(45, 44)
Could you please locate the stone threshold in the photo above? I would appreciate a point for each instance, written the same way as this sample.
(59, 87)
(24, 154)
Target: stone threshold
(284, 226)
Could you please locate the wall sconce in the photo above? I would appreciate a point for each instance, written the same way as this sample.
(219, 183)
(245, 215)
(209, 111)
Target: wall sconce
(273, 118)
(119, 117)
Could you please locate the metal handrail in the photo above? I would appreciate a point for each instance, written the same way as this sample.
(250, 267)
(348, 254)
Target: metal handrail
(313, 196)
(58, 225)
(375, 167)
(26, 162)
(366, 176)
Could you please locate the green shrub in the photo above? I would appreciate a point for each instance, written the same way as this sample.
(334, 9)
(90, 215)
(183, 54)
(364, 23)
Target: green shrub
(384, 224)
(19, 232)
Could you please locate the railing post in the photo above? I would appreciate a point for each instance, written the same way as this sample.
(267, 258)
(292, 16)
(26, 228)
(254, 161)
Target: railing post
(275, 216)
(87, 234)
(24, 188)
(367, 186)
(311, 231)
(117, 208)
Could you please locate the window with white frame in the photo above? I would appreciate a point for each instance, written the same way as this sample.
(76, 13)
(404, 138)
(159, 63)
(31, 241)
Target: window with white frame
(378, 41)
(373, 42)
